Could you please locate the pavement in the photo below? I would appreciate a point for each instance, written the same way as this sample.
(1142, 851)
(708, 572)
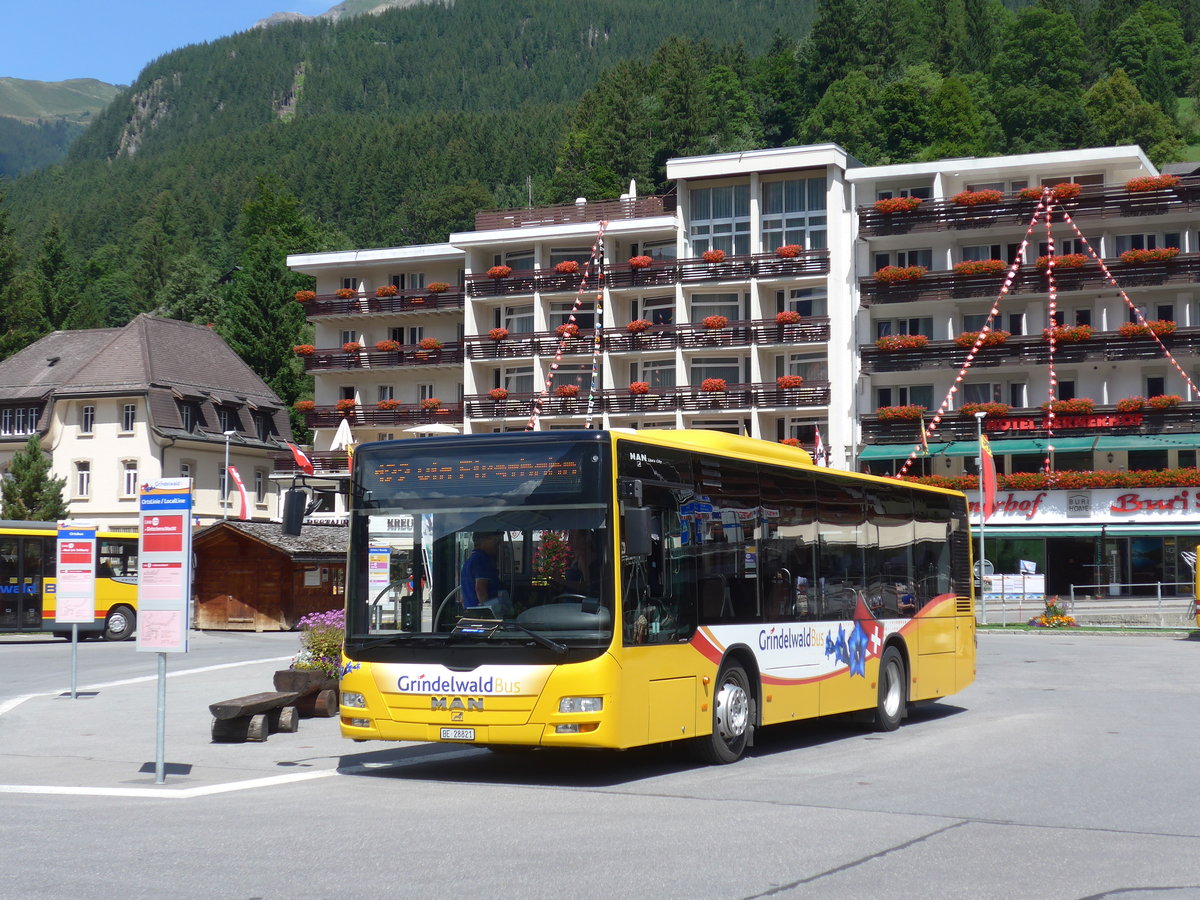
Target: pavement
(105, 740)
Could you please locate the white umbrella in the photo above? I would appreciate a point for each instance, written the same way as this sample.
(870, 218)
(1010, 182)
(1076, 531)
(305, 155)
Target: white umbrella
(343, 437)
(433, 428)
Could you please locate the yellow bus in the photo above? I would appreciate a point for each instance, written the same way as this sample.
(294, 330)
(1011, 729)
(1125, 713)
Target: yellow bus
(28, 559)
(624, 588)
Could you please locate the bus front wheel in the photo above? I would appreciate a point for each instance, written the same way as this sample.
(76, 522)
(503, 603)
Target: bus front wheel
(731, 718)
(892, 697)
(119, 624)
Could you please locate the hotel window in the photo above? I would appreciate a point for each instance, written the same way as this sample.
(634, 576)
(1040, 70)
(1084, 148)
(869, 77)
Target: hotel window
(397, 281)
(808, 301)
(1004, 186)
(794, 213)
(1096, 180)
(1147, 241)
(705, 305)
(83, 479)
(350, 282)
(222, 485)
(1165, 311)
(87, 419)
(1155, 385)
(902, 258)
(658, 250)
(1063, 247)
(579, 374)
(585, 316)
(386, 392)
(810, 367)
(727, 367)
(518, 380)
(517, 260)
(262, 425)
(6, 421)
(659, 310)
(227, 418)
(917, 394)
(260, 486)
(581, 255)
(415, 334)
(1018, 395)
(128, 416)
(922, 325)
(385, 435)
(425, 392)
(349, 337)
(185, 470)
(658, 373)
(189, 415)
(720, 219)
(129, 478)
(924, 192)
(517, 319)
(416, 281)
(1066, 390)
(982, 392)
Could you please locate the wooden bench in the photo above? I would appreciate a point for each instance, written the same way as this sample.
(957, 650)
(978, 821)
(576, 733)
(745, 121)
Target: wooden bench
(253, 717)
(317, 692)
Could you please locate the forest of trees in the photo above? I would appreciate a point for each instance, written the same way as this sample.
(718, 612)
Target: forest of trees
(187, 193)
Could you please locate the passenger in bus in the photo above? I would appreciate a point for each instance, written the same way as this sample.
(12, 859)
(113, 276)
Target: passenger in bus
(480, 579)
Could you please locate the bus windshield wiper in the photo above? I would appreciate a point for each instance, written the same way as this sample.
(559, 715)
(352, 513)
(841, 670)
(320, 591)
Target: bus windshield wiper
(548, 643)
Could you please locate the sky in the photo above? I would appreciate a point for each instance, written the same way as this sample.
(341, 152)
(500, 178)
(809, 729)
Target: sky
(113, 40)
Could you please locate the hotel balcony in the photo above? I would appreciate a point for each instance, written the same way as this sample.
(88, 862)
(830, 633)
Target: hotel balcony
(324, 463)
(656, 338)
(371, 416)
(408, 355)
(568, 213)
(659, 273)
(1107, 202)
(1029, 350)
(948, 285)
(620, 402)
(406, 302)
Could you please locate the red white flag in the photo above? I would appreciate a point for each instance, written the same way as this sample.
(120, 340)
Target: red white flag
(237, 479)
(987, 478)
(820, 457)
(302, 461)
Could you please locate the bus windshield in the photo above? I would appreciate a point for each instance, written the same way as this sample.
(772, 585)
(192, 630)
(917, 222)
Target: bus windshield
(467, 530)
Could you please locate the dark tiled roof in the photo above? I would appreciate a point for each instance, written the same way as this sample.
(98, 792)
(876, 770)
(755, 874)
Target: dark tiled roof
(51, 362)
(324, 542)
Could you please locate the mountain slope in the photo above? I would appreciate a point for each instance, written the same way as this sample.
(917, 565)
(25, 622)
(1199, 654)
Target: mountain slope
(76, 100)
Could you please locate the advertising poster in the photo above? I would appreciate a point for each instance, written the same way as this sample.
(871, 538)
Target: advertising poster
(165, 565)
(75, 591)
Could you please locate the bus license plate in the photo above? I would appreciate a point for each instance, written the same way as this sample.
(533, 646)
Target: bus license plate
(458, 734)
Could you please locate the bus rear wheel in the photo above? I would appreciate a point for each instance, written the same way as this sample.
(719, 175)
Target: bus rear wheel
(120, 624)
(892, 699)
(732, 702)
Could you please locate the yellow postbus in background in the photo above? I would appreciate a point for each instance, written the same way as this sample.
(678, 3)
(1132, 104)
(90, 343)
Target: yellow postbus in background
(28, 559)
(623, 588)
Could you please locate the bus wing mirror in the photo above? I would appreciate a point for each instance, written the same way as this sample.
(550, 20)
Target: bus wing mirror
(637, 531)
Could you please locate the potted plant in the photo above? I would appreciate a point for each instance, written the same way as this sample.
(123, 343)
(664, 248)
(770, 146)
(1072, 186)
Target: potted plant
(1139, 257)
(787, 317)
(714, 323)
(891, 342)
(1131, 404)
(567, 330)
(1066, 190)
(387, 290)
(790, 442)
(637, 326)
(977, 198)
(346, 406)
(429, 343)
(783, 382)
(1157, 327)
(498, 393)
(989, 409)
(714, 386)
(437, 287)
(1065, 261)
(980, 267)
(991, 339)
(387, 346)
(431, 403)
(304, 349)
(639, 387)
(1068, 334)
(498, 334)
(713, 256)
(346, 293)
(1163, 401)
(567, 390)
(639, 262)
(1076, 406)
(305, 296)
(789, 251)
(351, 347)
(1146, 183)
(897, 204)
(908, 413)
(304, 406)
(499, 272)
(897, 274)
(387, 404)
(567, 267)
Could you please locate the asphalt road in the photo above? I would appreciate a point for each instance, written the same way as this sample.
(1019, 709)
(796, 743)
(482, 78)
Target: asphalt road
(1069, 770)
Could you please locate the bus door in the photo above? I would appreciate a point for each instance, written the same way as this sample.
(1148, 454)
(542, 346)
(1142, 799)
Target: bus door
(21, 565)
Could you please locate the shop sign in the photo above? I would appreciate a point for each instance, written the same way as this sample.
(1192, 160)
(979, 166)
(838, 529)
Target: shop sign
(1111, 505)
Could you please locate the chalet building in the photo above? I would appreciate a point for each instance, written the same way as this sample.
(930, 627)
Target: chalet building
(119, 407)
(782, 292)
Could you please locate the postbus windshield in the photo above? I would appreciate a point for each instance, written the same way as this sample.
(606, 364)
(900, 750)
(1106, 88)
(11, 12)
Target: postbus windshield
(472, 540)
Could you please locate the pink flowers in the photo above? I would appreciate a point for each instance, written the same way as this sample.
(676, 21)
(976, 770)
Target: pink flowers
(568, 330)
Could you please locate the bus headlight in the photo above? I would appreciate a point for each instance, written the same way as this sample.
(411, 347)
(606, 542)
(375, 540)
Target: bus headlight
(580, 704)
(351, 698)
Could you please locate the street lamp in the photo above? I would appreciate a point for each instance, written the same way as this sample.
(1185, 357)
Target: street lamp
(225, 475)
(979, 417)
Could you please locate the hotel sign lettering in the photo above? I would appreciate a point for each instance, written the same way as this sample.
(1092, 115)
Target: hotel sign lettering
(1092, 421)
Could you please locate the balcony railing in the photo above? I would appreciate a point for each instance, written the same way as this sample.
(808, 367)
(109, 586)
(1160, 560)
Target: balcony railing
(407, 355)
(943, 285)
(1029, 350)
(409, 301)
(814, 329)
(372, 416)
(660, 273)
(323, 462)
(595, 211)
(619, 401)
(1092, 202)
(1184, 418)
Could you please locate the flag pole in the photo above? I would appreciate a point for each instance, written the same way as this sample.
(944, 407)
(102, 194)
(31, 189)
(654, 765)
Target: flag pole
(979, 417)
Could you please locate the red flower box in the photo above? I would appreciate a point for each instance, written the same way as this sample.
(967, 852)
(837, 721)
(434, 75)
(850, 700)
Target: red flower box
(897, 204)
(639, 387)
(1163, 401)
(1151, 183)
(639, 262)
(431, 403)
(437, 287)
(567, 267)
(910, 413)
(387, 404)
(713, 256)
(714, 323)
(637, 326)
(567, 390)
(1131, 404)
(498, 394)
(981, 267)
(498, 334)
(304, 349)
(790, 442)
(304, 406)
(305, 296)
(387, 346)
(789, 251)
(351, 347)
(346, 293)
(570, 329)
(346, 406)
(1078, 406)
(1066, 190)
(788, 381)
(1065, 261)
(1137, 257)
(902, 342)
(978, 198)
(787, 317)
(990, 409)
(429, 343)
(1159, 327)
(713, 385)
(991, 339)
(1069, 334)
(499, 271)
(387, 290)
(894, 274)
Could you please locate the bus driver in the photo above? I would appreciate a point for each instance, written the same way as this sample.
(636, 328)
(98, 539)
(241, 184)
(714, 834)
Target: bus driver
(480, 580)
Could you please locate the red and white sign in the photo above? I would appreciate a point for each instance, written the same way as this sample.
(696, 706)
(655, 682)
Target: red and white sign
(1110, 505)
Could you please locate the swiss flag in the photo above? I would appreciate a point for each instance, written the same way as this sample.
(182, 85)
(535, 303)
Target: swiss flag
(301, 460)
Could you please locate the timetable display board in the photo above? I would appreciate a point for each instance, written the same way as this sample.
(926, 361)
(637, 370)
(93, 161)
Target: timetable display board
(75, 587)
(164, 565)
